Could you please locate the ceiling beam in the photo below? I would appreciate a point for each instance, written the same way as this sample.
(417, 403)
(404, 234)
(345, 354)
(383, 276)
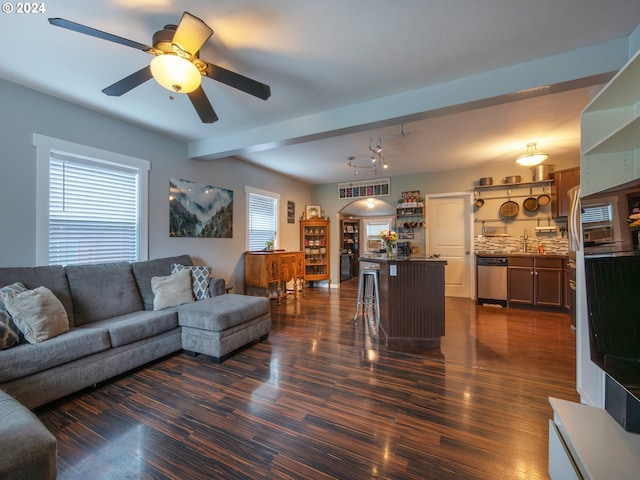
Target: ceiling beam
(574, 69)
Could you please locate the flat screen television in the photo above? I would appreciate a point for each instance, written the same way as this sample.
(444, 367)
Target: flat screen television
(613, 303)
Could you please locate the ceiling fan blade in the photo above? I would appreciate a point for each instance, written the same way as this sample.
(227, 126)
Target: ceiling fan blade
(76, 27)
(128, 83)
(191, 33)
(202, 105)
(238, 81)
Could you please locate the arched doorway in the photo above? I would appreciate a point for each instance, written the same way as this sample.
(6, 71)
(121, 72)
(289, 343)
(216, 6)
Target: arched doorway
(367, 207)
(354, 220)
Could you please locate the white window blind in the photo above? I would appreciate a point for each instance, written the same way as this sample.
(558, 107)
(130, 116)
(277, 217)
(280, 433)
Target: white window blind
(262, 218)
(93, 211)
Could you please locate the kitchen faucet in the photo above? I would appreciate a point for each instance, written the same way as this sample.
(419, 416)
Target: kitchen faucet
(524, 241)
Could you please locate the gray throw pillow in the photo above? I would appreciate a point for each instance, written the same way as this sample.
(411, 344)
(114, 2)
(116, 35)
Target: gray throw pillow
(172, 291)
(10, 334)
(38, 314)
(199, 278)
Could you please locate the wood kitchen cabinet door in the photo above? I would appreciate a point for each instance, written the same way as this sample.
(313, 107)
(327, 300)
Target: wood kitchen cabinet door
(548, 287)
(564, 180)
(535, 281)
(520, 284)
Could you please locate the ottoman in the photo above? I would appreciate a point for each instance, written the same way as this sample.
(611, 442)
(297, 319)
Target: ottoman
(219, 325)
(28, 450)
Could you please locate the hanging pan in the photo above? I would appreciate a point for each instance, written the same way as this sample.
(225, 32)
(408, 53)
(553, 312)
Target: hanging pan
(530, 203)
(509, 209)
(479, 201)
(544, 198)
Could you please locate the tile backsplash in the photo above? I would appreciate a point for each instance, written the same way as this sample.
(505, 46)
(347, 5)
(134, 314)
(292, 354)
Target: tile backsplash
(513, 244)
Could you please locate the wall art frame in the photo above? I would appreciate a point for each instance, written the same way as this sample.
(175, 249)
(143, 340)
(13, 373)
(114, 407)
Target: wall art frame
(197, 210)
(378, 187)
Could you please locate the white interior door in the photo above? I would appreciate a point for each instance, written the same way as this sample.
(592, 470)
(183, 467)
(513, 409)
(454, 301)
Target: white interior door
(449, 236)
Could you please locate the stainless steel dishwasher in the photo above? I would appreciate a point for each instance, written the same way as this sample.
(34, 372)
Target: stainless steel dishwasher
(491, 281)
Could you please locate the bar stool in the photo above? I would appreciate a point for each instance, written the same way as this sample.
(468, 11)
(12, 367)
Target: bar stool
(368, 293)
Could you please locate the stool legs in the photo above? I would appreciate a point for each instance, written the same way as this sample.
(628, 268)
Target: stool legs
(368, 294)
(374, 295)
(359, 296)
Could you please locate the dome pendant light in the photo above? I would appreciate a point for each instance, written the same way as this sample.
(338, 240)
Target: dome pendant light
(175, 73)
(533, 157)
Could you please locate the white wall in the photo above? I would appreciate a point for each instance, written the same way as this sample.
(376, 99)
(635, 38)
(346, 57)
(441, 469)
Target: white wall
(25, 111)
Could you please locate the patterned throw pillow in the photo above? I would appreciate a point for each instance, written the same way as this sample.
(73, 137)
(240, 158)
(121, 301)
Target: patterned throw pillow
(199, 279)
(10, 334)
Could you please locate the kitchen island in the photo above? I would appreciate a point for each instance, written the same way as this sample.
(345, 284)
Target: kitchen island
(411, 300)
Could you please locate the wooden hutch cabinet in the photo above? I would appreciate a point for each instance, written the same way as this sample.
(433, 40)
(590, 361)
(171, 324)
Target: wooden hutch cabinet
(314, 242)
(272, 271)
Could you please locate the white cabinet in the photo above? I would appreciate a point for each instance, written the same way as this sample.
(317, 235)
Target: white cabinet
(561, 464)
(586, 442)
(610, 132)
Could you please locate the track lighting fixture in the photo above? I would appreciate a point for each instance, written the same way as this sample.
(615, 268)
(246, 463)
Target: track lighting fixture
(375, 155)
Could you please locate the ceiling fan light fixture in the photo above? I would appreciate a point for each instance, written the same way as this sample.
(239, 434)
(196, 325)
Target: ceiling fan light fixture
(533, 157)
(175, 73)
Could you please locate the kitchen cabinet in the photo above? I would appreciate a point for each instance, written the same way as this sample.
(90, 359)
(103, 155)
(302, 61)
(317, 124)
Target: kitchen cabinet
(535, 280)
(564, 180)
(412, 302)
(566, 278)
(314, 241)
(610, 133)
(586, 443)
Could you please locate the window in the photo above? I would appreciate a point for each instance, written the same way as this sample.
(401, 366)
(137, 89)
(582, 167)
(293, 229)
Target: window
(373, 229)
(262, 218)
(91, 205)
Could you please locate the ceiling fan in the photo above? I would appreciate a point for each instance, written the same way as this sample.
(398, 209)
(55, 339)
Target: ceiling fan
(176, 65)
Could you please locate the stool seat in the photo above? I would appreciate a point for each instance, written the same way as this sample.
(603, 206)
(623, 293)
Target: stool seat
(368, 293)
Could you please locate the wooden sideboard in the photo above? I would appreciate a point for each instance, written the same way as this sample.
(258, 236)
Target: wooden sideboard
(271, 271)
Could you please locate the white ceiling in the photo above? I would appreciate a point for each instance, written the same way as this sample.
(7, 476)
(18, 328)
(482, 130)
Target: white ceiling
(327, 62)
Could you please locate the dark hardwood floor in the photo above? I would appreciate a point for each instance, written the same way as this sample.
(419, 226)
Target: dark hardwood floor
(321, 399)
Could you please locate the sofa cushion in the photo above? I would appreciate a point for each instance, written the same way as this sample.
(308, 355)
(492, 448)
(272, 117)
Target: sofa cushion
(199, 279)
(223, 312)
(102, 291)
(144, 271)
(136, 326)
(10, 334)
(172, 290)
(38, 314)
(53, 277)
(25, 359)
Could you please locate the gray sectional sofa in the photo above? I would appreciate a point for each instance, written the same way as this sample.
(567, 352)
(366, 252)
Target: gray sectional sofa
(113, 328)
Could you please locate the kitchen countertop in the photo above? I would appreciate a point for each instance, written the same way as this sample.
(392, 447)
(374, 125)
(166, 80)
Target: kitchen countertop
(413, 259)
(519, 254)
